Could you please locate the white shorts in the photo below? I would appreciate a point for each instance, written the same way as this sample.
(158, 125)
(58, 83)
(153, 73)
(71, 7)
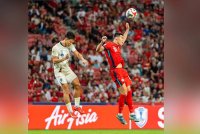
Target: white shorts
(65, 77)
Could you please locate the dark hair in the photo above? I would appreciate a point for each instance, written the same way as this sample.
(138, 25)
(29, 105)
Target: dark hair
(70, 35)
(117, 34)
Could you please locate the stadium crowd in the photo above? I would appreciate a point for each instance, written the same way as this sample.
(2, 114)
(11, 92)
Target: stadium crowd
(143, 52)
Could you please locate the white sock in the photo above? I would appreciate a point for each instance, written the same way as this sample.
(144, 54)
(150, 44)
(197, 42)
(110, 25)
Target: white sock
(69, 107)
(132, 113)
(120, 114)
(77, 102)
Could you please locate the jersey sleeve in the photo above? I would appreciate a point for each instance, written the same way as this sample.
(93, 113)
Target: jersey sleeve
(72, 48)
(54, 52)
(107, 45)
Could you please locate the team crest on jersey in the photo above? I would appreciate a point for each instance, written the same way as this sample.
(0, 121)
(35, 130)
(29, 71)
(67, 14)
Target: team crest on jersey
(60, 80)
(62, 53)
(141, 114)
(115, 49)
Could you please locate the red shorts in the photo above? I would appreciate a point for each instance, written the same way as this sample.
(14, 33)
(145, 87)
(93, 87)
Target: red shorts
(120, 76)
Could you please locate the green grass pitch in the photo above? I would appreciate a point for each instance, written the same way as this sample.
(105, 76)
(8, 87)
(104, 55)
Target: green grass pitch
(95, 132)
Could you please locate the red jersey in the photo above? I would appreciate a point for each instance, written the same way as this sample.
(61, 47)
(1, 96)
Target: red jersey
(113, 54)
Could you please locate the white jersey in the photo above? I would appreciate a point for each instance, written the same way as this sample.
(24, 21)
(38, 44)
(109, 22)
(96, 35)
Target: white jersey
(60, 51)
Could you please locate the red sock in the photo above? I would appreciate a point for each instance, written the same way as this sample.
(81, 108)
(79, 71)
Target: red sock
(121, 102)
(129, 101)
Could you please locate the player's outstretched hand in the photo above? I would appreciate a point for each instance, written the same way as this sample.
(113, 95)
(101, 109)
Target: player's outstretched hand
(103, 39)
(127, 25)
(85, 62)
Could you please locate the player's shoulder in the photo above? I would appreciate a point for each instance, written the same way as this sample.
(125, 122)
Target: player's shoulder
(56, 46)
(108, 43)
(72, 47)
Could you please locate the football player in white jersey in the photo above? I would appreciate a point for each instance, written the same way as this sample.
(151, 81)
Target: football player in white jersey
(64, 74)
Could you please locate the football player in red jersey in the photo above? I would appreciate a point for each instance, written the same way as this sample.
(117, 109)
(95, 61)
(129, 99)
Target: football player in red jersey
(117, 72)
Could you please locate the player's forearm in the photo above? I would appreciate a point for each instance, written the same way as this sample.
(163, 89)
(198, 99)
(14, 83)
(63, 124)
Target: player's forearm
(99, 46)
(80, 56)
(55, 60)
(125, 35)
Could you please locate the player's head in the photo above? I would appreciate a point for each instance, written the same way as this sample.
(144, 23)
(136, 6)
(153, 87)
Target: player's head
(70, 37)
(118, 38)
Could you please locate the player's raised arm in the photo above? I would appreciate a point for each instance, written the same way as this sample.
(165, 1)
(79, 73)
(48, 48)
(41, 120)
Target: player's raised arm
(99, 46)
(80, 57)
(126, 33)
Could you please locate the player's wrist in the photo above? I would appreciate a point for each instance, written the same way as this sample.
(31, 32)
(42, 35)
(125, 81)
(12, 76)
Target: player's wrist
(63, 59)
(83, 59)
(101, 42)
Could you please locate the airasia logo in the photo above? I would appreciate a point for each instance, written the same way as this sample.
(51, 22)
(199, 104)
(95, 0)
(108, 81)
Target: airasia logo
(161, 117)
(60, 117)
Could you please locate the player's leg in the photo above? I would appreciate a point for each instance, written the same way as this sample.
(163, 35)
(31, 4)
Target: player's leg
(66, 93)
(66, 97)
(65, 87)
(129, 101)
(73, 79)
(77, 94)
(117, 77)
(123, 93)
(122, 98)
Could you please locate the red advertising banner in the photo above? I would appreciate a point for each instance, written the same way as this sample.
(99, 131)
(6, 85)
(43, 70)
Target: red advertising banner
(96, 117)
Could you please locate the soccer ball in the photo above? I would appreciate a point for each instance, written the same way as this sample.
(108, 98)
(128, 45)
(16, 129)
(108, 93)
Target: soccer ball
(131, 13)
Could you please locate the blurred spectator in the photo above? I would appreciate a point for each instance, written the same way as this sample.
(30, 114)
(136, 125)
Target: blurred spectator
(54, 97)
(135, 70)
(96, 64)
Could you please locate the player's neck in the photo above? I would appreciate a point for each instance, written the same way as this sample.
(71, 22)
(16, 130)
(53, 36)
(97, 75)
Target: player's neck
(62, 43)
(114, 41)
